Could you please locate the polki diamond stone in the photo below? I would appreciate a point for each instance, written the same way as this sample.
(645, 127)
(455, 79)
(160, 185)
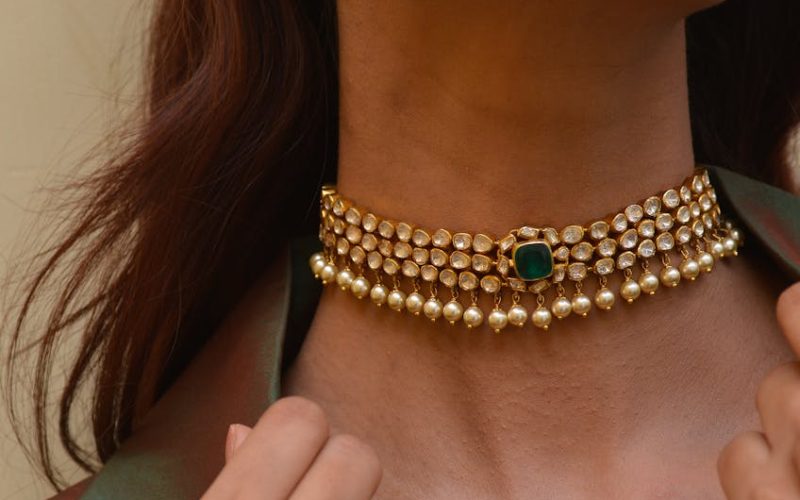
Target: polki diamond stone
(599, 230)
(652, 206)
(671, 198)
(572, 234)
(634, 213)
(604, 266)
(626, 260)
(646, 249)
(577, 271)
(665, 242)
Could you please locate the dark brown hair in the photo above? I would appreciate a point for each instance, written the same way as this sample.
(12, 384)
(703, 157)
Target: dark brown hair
(241, 119)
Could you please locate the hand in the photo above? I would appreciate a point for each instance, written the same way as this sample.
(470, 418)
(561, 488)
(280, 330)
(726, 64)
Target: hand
(766, 465)
(290, 454)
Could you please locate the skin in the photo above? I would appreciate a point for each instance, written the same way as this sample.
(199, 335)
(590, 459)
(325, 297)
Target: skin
(290, 453)
(484, 116)
(451, 107)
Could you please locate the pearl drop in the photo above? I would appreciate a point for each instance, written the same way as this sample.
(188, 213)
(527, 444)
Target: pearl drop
(517, 315)
(328, 273)
(396, 300)
(561, 307)
(453, 311)
(604, 299)
(717, 250)
(360, 287)
(473, 317)
(433, 308)
(414, 303)
(630, 290)
(317, 262)
(648, 282)
(498, 319)
(730, 246)
(345, 278)
(690, 269)
(736, 235)
(670, 276)
(581, 305)
(706, 262)
(378, 294)
(542, 318)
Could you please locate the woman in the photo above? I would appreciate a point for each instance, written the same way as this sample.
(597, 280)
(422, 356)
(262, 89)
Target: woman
(467, 115)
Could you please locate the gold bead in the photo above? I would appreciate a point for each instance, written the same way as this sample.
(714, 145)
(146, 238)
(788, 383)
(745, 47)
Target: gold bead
(517, 315)
(432, 308)
(717, 250)
(498, 319)
(630, 290)
(581, 305)
(328, 273)
(453, 311)
(604, 298)
(414, 303)
(670, 276)
(345, 278)
(396, 300)
(690, 269)
(542, 318)
(648, 282)
(473, 317)
(317, 262)
(706, 262)
(729, 244)
(360, 287)
(561, 307)
(378, 294)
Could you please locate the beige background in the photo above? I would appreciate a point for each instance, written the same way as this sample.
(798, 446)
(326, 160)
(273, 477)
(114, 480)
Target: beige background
(62, 63)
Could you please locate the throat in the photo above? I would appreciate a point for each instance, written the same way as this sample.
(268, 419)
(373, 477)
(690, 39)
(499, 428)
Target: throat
(530, 126)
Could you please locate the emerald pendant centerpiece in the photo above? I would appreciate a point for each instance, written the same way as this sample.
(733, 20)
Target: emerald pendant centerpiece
(533, 260)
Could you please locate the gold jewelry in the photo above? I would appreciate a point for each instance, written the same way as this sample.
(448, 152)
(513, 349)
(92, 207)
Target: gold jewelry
(410, 265)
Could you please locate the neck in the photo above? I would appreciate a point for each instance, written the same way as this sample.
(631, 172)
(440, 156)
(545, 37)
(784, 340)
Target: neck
(487, 119)
(456, 116)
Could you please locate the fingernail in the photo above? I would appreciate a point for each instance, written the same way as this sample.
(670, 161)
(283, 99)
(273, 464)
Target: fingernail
(229, 442)
(240, 433)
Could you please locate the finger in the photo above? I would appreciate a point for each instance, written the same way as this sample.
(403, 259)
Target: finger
(345, 468)
(741, 464)
(778, 402)
(276, 453)
(788, 312)
(237, 433)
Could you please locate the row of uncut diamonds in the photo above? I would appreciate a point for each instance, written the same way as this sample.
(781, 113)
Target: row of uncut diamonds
(641, 231)
(698, 211)
(399, 296)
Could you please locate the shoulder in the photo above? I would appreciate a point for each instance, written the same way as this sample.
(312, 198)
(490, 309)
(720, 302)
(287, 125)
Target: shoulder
(73, 492)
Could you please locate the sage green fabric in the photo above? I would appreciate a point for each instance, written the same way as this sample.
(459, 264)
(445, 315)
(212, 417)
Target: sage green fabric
(770, 216)
(178, 450)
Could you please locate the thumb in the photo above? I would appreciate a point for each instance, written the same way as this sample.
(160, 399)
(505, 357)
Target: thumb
(788, 311)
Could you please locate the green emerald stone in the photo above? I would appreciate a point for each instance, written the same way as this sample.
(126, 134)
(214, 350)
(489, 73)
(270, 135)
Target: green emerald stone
(533, 260)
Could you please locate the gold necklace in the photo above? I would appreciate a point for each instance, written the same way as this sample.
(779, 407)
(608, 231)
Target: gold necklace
(405, 261)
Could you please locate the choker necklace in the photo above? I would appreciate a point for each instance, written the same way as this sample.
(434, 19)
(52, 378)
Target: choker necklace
(528, 265)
